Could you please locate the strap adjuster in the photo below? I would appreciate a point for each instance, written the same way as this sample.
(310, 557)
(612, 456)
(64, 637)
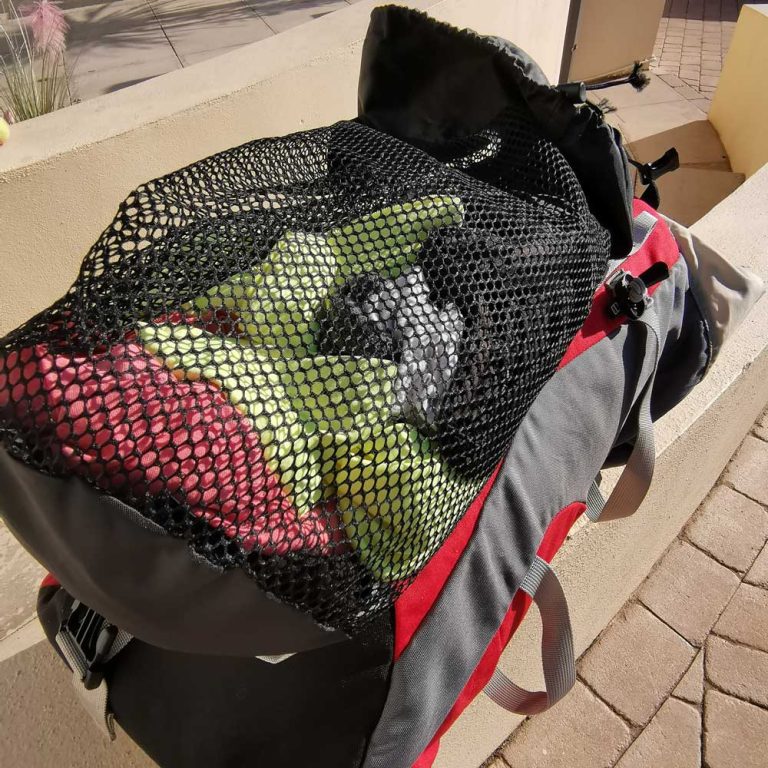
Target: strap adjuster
(630, 293)
(90, 638)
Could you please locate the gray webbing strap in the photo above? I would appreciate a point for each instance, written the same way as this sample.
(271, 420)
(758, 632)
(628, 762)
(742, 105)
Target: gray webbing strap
(642, 226)
(95, 701)
(635, 480)
(556, 648)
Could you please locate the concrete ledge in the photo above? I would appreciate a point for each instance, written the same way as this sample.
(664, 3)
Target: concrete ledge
(602, 565)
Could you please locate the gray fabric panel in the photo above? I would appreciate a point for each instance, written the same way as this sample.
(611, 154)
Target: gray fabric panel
(724, 292)
(636, 478)
(556, 454)
(150, 585)
(685, 352)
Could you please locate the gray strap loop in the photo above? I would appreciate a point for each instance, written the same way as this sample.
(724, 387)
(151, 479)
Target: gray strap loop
(96, 700)
(642, 226)
(557, 656)
(635, 480)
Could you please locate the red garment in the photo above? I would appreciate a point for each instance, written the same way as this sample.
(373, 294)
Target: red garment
(124, 421)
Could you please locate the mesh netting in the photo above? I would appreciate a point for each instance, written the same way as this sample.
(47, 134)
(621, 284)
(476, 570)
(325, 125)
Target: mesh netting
(307, 354)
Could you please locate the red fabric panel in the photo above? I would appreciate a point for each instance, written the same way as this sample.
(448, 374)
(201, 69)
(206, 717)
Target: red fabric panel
(49, 581)
(552, 541)
(660, 246)
(414, 603)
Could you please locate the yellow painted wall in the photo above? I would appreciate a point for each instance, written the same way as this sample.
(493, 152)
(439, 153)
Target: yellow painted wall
(739, 109)
(612, 34)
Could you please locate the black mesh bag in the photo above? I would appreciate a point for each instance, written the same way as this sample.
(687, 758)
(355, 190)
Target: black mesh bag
(306, 355)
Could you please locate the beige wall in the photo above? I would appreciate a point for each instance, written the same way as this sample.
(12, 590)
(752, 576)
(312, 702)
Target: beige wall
(612, 34)
(63, 175)
(739, 109)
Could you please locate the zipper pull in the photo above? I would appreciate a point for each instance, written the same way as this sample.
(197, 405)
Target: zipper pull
(630, 294)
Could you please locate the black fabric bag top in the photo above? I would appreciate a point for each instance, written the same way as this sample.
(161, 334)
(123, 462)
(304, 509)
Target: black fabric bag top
(307, 354)
(441, 88)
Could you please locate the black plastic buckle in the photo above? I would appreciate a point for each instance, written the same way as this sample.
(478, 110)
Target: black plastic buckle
(651, 172)
(92, 638)
(630, 294)
(668, 162)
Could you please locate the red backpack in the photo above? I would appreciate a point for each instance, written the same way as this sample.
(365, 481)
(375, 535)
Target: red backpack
(300, 442)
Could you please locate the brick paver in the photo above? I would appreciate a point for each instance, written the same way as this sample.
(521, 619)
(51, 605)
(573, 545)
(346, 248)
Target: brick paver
(623, 667)
(738, 669)
(761, 428)
(672, 739)
(580, 732)
(691, 43)
(643, 699)
(691, 687)
(758, 573)
(748, 472)
(688, 590)
(730, 527)
(746, 618)
(736, 733)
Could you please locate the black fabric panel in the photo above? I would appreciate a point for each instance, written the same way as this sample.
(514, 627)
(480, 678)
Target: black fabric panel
(149, 585)
(684, 360)
(429, 83)
(199, 711)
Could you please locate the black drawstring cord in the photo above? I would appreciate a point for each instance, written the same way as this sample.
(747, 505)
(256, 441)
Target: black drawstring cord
(637, 79)
(577, 92)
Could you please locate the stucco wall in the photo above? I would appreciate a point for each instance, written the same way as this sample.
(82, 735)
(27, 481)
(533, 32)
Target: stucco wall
(739, 109)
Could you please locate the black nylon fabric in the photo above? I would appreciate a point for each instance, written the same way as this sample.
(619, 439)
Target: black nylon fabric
(307, 354)
(317, 708)
(432, 84)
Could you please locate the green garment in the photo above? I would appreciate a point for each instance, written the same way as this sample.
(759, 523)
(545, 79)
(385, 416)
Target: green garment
(277, 302)
(325, 422)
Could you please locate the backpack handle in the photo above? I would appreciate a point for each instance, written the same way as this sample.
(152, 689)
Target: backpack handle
(635, 480)
(542, 584)
(557, 655)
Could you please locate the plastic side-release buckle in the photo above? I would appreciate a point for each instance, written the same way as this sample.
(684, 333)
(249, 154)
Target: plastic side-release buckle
(90, 638)
(88, 642)
(630, 293)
